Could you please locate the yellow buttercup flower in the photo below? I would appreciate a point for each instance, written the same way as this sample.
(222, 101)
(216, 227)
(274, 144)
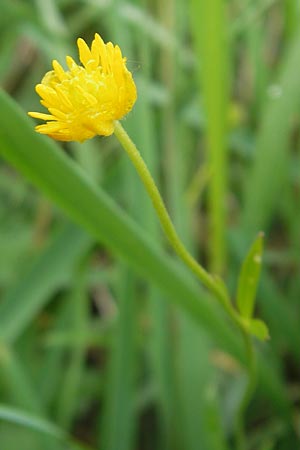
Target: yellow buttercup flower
(84, 101)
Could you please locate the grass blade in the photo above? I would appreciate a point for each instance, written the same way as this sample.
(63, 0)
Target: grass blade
(23, 418)
(119, 421)
(51, 270)
(271, 157)
(209, 26)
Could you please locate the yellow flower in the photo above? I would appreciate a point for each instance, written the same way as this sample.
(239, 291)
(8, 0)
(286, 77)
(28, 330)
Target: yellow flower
(86, 100)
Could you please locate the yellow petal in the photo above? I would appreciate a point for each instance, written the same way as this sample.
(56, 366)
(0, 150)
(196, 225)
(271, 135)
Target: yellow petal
(57, 113)
(59, 71)
(95, 51)
(49, 127)
(84, 52)
(37, 115)
(63, 97)
(47, 93)
(71, 63)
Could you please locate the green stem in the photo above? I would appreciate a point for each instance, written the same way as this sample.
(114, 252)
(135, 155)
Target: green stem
(240, 425)
(210, 282)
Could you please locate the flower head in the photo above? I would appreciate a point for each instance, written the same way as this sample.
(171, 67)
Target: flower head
(84, 101)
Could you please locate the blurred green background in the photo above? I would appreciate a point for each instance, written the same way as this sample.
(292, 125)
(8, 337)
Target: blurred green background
(94, 352)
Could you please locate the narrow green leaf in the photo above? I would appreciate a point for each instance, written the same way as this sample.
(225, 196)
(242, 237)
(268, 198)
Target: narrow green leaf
(51, 270)
(118, 414)
(249, 277)
(210, 32)
(271, 153)
(71, 379)
(23, 418)
(259, 329)
(16, 381)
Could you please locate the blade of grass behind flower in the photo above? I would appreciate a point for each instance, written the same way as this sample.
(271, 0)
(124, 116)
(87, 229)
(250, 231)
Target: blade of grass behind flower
(51, 271)
(18, 387)
(195, 373)
(209, 27)
(39, 425)
(255, 38)
(197, 385)
(26, 419)
(270, 166)
(118, 417)
(16, 381)
(72, 377)
(291, 16)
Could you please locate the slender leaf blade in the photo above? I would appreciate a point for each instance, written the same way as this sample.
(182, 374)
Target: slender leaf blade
(51, 270)
(249, 277)
(23, 418)
(20, 417)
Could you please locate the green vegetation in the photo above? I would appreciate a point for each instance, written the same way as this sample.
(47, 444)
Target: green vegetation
(107, 341)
